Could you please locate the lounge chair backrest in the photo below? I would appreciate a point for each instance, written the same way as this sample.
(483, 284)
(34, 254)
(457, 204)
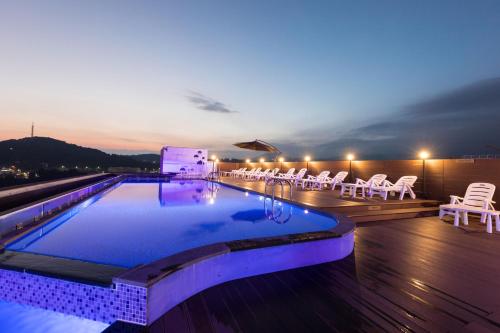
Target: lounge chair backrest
(377, 179)
(274, 171)
(253, 169)
(477, 193)
(290, 171)
(409, 180)
(341, 175)
(322, 175)
(257, 170)
(301, 173)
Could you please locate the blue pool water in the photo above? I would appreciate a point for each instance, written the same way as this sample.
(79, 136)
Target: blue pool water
(16, 318)
(135, 223)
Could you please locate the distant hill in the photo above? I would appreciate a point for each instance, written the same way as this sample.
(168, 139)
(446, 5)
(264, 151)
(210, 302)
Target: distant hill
(44, 152)
(150, 158)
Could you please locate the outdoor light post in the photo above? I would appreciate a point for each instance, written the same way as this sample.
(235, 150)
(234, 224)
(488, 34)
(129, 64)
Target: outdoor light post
(423, 156)
(214, 158)
(307, 159)
(350, 157)
(281, 159)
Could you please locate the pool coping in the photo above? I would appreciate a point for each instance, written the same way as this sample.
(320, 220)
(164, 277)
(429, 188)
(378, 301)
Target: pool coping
(148, 274)
(155, 275)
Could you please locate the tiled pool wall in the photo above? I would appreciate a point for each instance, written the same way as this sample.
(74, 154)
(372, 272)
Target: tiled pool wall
(121, 302)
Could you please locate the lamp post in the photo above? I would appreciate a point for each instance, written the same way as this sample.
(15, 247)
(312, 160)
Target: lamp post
(350, 157)
(307, 159)
(214, 158)
(281, 159)
(424, 155)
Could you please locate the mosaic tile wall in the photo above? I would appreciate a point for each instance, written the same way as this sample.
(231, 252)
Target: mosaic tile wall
(123, 302)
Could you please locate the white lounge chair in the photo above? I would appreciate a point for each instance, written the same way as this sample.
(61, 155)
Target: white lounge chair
(286, 175)
(315, 181)
(272, 173)
(259, 175)
(478, 199)
(375, 180)
(250, 174)
(245, 173)
(403, 185)
(233, 172)
(323, 182)
(297, 178)
(338, 179)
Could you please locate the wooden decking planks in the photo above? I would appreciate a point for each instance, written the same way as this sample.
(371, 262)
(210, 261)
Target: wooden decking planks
(409, 275)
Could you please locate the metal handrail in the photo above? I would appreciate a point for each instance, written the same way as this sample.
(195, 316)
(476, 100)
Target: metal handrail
(274, 181)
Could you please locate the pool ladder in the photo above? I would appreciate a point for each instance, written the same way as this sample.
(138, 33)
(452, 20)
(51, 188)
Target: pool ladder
(282, 183)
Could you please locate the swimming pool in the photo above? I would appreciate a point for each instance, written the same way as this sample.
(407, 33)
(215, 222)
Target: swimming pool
(136, 223)
(140, 246)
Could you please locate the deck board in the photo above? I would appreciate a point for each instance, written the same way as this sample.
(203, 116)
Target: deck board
(418, 275)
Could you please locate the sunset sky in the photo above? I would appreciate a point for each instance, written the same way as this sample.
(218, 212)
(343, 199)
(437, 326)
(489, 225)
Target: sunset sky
(375, 77)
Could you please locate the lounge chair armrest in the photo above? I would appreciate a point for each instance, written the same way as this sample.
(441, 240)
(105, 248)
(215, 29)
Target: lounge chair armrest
(455, 199)
(386, 183)
(360, 181)
(488, 204)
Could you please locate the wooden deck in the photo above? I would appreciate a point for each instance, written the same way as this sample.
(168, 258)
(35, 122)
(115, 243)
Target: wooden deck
(407, 275)
(410, 275)
(358, 209)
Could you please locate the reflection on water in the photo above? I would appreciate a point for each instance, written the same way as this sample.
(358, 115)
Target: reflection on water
(136, 223)
(277, 212)
(187, 192)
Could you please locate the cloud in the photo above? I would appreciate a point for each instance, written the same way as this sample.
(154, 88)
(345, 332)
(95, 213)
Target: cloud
(463, 121)
(208, 104)
(451, 124)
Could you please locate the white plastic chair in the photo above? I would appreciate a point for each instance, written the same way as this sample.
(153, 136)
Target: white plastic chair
(478, 199)
(311, 181)
(403, 185)
(375, 180)
(286, 175)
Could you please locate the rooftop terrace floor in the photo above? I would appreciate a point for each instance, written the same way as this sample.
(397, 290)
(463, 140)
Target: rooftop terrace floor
(411, 275)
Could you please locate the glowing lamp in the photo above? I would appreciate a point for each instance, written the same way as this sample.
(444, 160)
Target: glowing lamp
(424, 154)
(350, 157)
(307, 158)
(262, 160)
(248, 160)
(281, 159)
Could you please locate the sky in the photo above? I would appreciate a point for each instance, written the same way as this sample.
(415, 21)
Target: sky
(378, 78)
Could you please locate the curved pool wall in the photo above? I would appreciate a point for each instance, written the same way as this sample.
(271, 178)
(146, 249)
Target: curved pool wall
(172, 280)
(144, 293)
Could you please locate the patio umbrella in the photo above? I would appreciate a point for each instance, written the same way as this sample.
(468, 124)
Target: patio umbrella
(258, 145)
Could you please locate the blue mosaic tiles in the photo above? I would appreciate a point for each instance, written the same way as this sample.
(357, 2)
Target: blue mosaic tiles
(121, 302)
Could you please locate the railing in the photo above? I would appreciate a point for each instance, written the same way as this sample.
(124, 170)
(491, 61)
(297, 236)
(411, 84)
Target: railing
(277, 212)
(281, 182)
(214, 175)
(20, 218)
(482, 157)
